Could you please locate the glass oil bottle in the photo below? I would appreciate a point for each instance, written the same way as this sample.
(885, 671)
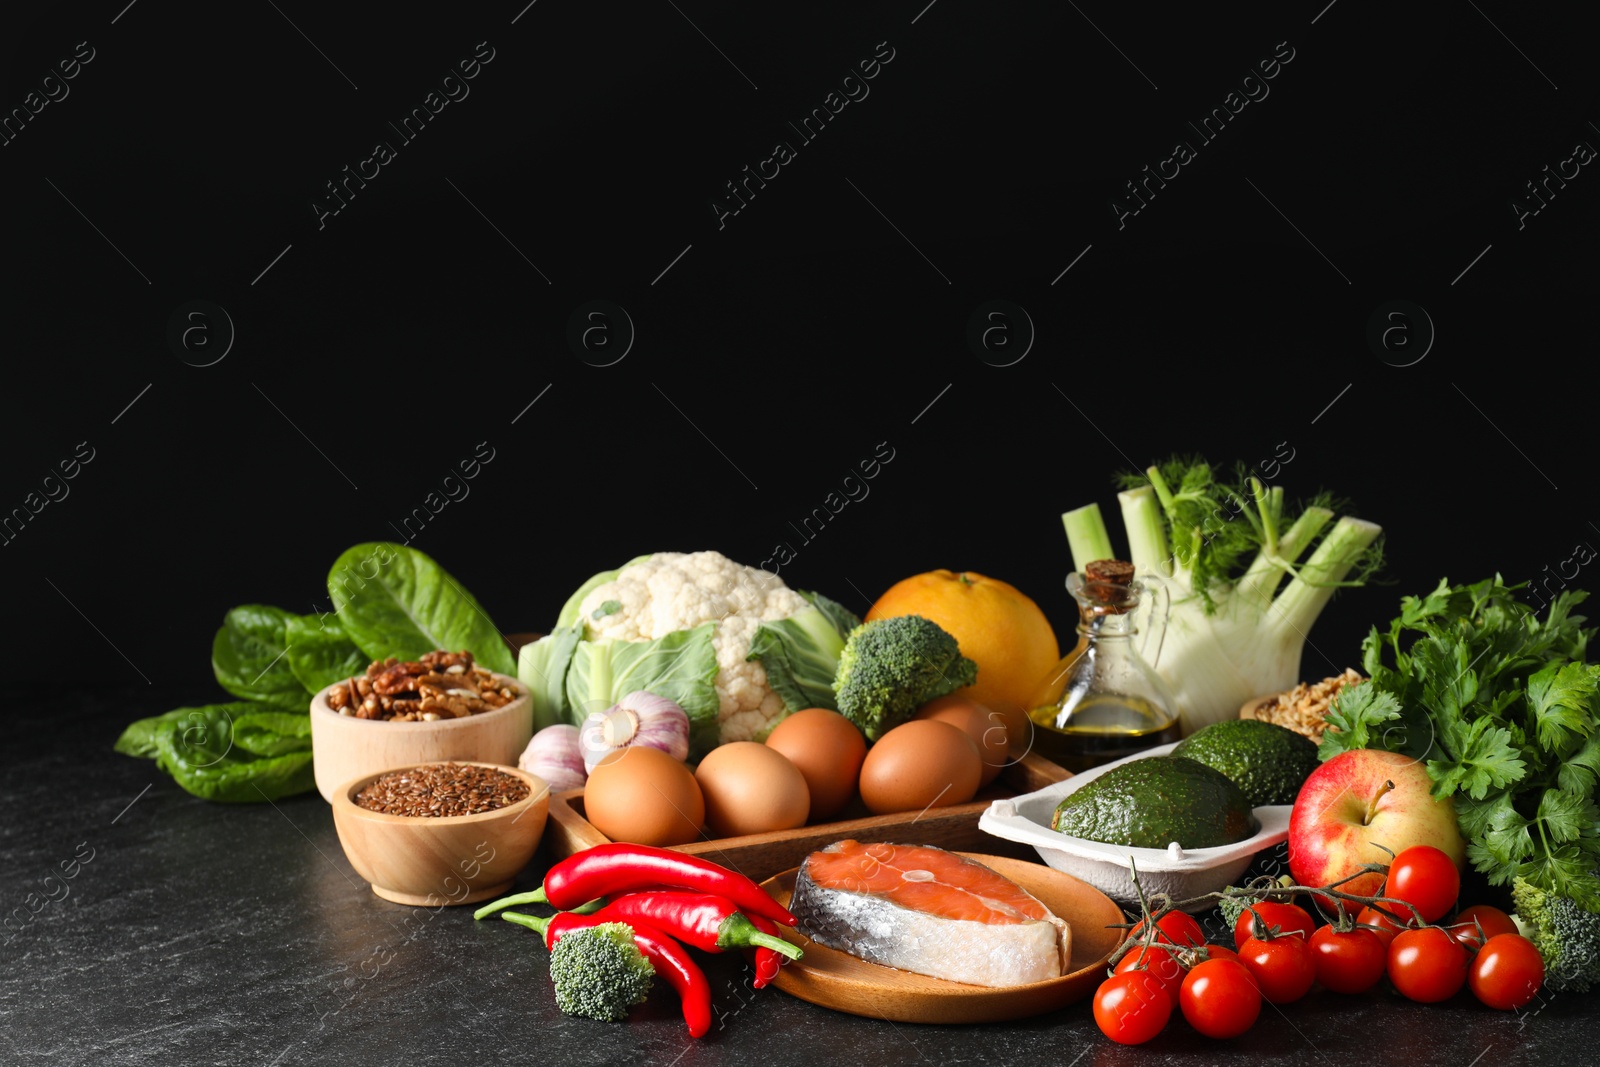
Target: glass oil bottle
(1103, 700)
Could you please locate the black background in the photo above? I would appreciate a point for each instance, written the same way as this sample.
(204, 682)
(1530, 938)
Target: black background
(382, 347)
(773, 354)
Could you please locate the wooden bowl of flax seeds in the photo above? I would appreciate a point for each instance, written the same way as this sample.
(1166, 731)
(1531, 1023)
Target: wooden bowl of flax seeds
(451, 832)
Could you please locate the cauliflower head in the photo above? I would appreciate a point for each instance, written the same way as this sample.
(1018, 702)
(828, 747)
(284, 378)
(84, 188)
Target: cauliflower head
(673, 591)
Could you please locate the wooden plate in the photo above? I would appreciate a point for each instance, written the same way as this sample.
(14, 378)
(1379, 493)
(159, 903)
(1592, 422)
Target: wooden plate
(838, 980)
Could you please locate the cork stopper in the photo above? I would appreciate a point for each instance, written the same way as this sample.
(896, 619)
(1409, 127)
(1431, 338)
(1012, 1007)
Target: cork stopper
(1109, 583)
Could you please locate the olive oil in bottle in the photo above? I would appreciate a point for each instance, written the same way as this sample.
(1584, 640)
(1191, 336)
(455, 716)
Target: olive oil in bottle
(1104, 727)
(1103, 701)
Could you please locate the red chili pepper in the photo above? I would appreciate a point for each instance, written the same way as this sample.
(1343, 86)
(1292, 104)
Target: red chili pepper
(767, 960)
(605, 870)
(667, 957)
(706, 921)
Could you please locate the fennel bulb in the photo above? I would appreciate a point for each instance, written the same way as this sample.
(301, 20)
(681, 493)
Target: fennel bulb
(1221, 552)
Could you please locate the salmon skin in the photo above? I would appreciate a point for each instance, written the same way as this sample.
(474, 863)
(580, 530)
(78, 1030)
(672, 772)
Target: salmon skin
(923, 909)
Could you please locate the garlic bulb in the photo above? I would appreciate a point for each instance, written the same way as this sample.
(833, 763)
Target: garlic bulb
(640, 718)
(553, 755)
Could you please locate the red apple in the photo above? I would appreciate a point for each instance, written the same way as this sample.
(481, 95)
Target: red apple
(1361, 799)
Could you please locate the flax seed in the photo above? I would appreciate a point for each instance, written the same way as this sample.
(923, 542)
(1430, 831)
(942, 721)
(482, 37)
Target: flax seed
(442, 790)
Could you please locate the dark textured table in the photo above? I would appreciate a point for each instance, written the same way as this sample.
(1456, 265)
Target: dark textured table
(199, 933)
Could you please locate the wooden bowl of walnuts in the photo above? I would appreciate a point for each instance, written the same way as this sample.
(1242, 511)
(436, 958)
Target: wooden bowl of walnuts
(399, 713)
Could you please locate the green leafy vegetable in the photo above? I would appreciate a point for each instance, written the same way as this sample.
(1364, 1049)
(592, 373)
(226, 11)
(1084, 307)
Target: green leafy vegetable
(1357, 711)
(1512, 721)
(1559, 697)
(680, 667)
(272, 733)
(249, 657)
(276, 657)
(801, 653)
(139, 738)
(320, 652)
(395, 601)
(234, 753)
(542, 667)
(401, 604)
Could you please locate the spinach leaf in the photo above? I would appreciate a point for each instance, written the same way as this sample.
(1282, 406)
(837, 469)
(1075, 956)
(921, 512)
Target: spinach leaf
(249, 657)
(272, 733)
(139, 739)
(395, 601)
(320, 652)
(198, 748)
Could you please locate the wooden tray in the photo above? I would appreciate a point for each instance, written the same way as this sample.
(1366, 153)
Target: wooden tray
(760, 856)
(840, 981)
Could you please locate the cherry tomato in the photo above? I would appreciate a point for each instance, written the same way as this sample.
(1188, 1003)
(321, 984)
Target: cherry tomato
(1492, 919)
(1282, 967)
(1159, 964)
(1386, 927)
(1180, 927)
(1427, 965)
(1221, 952)
(1131, 1008)
(1289, 917)
(1220, 998)
(1348, 962)
(1507, 972)
(1426, 878)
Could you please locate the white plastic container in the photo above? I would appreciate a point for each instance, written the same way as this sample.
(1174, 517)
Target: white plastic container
(1180, 873)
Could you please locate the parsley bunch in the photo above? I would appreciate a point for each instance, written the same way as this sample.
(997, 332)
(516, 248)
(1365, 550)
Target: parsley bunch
(1504, 709)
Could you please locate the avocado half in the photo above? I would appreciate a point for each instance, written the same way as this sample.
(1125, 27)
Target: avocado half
(1267, 761)
(1151, 802)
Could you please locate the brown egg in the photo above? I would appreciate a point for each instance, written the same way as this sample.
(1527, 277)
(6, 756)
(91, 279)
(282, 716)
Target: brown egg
(751, 789)
(644, 796)
(920, 764)
(986, 727)
(828, 750)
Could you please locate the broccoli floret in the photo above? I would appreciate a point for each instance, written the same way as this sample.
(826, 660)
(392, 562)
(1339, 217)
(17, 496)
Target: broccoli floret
(1233, 907)
(1248, 894)
(599, 973)
(1567, 936)
(891, 667)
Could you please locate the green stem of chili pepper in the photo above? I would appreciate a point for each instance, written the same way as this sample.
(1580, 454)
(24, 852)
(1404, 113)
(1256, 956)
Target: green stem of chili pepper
(706, 921)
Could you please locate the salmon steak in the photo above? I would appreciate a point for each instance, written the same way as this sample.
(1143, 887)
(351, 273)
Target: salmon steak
(922, 909)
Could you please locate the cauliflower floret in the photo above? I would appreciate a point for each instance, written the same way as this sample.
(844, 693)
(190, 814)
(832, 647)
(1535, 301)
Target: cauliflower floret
(673, 591)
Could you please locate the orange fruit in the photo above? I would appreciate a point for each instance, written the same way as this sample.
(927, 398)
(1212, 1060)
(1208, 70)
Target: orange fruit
(996, 625)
